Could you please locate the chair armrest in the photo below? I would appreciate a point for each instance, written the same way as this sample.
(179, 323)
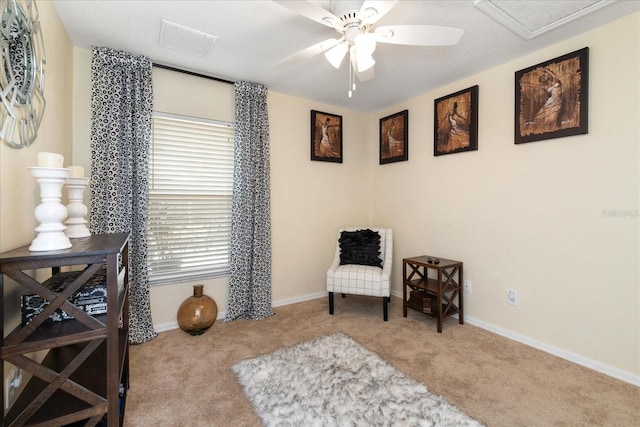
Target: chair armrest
(386, 270)
(336, 259)
(334, 265)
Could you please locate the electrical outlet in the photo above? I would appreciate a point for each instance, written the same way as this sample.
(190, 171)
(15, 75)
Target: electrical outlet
(512, 296)
(466, 286)
(7, 395)
(13, 383)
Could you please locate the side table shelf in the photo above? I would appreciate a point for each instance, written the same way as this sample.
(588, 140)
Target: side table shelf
(87, 363)
(439, 294)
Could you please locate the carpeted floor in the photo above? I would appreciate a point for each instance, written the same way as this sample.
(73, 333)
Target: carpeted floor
(180, 380)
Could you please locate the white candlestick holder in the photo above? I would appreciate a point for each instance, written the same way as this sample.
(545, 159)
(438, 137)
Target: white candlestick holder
(76, 210)
(50, 213)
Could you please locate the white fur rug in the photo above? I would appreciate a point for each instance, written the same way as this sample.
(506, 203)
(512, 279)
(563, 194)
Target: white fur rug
(334, 381)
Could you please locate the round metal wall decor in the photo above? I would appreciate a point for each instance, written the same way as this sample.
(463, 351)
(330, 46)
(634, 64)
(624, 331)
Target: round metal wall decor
(21, 72)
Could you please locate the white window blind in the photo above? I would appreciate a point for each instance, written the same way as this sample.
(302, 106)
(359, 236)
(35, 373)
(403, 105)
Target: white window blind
(190, 196)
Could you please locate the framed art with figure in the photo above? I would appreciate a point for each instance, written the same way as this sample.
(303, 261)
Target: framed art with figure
(394, 137)
(551, 98)
(456, 122)
(326, 137)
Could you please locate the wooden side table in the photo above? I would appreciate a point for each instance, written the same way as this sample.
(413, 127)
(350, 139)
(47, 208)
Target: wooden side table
(434, 297)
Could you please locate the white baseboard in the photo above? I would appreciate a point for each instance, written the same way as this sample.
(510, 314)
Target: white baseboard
(174, 325)
(163, 327)
(563, 354)
(222, 314)
(296, 300)
(611, 371)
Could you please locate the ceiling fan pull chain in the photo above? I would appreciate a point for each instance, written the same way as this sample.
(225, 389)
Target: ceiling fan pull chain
(353, 78)
(352, 84)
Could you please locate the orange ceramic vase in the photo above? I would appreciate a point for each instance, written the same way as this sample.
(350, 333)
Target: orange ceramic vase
(197, 313)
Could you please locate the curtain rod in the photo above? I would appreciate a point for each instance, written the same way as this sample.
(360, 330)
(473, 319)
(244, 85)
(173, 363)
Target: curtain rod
(167, 67)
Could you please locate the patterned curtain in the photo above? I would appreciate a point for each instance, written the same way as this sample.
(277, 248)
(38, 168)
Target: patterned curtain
(121, 113)
(250, 258)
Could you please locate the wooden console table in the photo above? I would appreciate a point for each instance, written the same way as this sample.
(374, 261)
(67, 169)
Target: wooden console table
(442, 290)
(85, 374)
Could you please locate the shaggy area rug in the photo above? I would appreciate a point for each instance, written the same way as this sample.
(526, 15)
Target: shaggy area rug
(334, 381)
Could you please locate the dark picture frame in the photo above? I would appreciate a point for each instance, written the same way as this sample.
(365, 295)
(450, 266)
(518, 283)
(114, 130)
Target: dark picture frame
(394, 138)
(326, 137)
(551, 98)
(455, 122)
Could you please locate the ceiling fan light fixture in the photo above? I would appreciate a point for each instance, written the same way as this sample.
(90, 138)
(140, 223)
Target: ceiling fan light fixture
(364, 62)
(365, 45)
(336, 54)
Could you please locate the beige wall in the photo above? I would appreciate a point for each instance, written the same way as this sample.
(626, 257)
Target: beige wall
(19, 192)
(556, 220)
(310, 201)
(82, 113)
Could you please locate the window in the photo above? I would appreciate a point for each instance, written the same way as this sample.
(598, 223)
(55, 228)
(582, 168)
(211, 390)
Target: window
(190, 196)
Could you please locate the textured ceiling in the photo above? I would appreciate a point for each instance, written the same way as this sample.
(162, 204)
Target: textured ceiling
(252, 36)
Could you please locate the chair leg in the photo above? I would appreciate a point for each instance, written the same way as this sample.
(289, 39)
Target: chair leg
(330, 302)
(385, 301)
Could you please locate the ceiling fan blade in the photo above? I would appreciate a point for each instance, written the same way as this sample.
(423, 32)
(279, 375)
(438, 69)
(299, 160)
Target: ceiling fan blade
(307, 53)
(380, 6)
(311, 11)
(418, 35)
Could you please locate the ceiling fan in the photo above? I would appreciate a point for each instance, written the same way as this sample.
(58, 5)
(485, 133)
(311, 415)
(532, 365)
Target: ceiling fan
(355, 22)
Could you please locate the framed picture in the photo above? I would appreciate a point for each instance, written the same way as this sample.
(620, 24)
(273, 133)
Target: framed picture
(552, 98)
(326, 137)
(455, 122)
(394, 137)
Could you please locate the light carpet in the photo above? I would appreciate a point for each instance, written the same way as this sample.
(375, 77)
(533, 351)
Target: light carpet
(334, 381)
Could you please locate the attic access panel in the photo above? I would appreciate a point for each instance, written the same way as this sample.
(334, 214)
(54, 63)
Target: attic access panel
(529, 19)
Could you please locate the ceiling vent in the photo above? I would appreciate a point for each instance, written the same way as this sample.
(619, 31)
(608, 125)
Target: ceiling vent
(532, 18)
(185, 39)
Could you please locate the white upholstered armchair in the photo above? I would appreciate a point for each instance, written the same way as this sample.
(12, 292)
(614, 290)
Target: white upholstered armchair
(358, 279)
